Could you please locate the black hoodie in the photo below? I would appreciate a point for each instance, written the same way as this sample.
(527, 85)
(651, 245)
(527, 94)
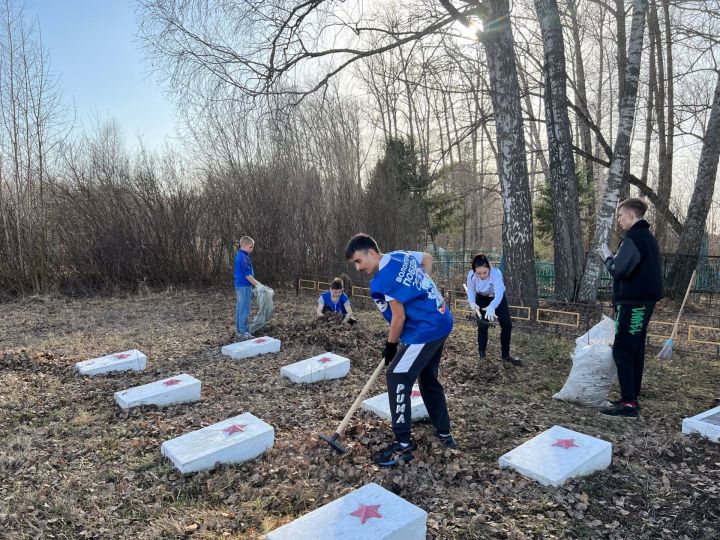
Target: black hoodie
(636, 267)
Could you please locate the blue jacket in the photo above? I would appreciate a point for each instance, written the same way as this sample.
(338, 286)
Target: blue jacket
(243, 269)
(326, 299)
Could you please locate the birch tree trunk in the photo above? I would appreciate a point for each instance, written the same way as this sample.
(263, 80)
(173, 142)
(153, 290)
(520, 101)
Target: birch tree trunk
(518, 246)
(567, 232)
(536, 143)
(621, 152)
(581, 100)
(664, 187)
(702, 197)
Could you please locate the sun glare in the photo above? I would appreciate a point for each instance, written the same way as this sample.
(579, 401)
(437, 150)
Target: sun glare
(469, 32)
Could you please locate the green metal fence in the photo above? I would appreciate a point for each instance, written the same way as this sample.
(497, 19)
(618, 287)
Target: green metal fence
(455, 269)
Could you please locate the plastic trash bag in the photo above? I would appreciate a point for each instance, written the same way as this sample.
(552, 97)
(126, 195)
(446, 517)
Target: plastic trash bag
(264, 297)
(593, 371)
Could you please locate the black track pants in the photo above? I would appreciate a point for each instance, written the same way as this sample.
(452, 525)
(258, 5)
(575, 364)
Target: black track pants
(631, 322)
(416, 362)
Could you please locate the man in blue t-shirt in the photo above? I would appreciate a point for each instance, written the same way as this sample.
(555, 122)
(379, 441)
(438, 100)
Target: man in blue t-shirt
(244, 282)
(420, 321)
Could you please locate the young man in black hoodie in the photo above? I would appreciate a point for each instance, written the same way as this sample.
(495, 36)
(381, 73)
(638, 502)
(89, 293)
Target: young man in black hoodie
(637, 285)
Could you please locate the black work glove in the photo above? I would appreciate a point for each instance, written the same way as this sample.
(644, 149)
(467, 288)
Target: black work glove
(389, 352)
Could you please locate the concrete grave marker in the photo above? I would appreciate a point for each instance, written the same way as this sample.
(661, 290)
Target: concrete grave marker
(322, 367)
(380, 405)
(132, 360)
(234, 440)
(706, 424)
(558, 454)
(371, 512)
(177, 389)
(251, 347)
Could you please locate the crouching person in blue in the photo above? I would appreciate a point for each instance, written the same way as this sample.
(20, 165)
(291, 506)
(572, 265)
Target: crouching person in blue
(334, 300)
(420, 321)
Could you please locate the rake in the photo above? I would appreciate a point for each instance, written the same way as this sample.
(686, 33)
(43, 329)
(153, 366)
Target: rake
(666, 352)
(333, 440)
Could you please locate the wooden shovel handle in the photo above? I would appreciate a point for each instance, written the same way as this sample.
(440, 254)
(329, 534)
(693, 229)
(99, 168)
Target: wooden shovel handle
(682, 306)
(345, 421)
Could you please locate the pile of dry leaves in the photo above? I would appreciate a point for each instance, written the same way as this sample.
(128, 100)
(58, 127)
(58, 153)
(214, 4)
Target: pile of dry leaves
(74, 465)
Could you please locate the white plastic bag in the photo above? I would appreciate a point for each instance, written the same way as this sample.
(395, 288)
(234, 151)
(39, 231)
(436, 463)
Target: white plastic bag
(603, 333)
(593, 371)
(264, 296)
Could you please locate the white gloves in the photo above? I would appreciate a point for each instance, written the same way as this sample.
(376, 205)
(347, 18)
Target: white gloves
(490, 313)
(605, 252)
(473, 306)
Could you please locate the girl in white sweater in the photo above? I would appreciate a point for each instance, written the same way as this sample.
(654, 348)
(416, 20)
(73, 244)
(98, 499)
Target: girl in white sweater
(486, 292)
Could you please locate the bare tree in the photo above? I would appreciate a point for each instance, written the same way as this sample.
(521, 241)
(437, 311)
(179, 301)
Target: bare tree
(282, 41)
(32, 126)
(621, 152)
(567, 232)
(702, 197)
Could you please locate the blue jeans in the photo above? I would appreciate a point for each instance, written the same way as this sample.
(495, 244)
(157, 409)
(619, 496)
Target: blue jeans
(242, 308)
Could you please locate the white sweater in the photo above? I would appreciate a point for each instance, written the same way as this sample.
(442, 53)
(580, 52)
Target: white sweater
(492, 286)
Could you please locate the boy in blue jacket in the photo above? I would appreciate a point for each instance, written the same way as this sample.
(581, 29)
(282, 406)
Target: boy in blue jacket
(244, 282)
(334, 300)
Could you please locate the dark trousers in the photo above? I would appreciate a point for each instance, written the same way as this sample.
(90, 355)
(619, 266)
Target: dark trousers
(419, 362)
(503, 315)
(631, 322)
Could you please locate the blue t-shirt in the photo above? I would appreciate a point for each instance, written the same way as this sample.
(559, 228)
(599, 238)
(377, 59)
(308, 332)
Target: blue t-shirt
(243, 269)
(401, 277)
(326, 299)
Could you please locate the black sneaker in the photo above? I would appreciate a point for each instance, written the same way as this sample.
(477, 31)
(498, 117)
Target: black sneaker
(394, 454)
(447, 440)
(513, 361)
(619, 401)
(482, 356)
(622, 410)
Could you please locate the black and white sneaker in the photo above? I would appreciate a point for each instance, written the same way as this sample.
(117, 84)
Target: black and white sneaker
(619, 401)
(622, 410)
(513, 361)
(447, 440)
(394, 454)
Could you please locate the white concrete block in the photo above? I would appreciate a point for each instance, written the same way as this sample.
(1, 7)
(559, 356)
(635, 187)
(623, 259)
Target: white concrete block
(322, 367)
(251, 347)
(706, 424)
(132, 360)
(177, 389)
(380, 405)
(234, 440)
(557, 455)
(368, 513)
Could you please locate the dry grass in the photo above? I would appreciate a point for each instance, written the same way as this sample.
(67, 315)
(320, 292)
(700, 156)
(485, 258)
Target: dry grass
(73, 465)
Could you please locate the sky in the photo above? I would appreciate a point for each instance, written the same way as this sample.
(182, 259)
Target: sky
(92, 47)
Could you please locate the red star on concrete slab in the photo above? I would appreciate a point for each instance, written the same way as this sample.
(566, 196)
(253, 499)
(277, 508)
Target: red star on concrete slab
(415, 393)
(172, 382)
(235, 428)
(121, 356)
(325, 359)
(260, 340)
(566, 443)
(367, 511)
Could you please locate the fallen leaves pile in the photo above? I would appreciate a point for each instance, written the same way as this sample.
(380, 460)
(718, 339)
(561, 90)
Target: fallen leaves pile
(74, 465)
